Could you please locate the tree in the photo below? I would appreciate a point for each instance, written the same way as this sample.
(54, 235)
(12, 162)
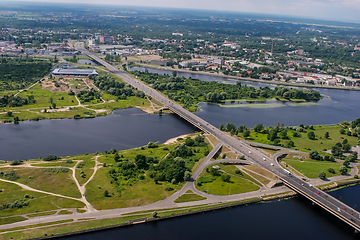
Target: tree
(336, 150)
(53, 105)
(189, 142)
(311, 135)
(272, 134)
(346, 147)
(9, 114)
(116, 157)
(322, 175)
(290, 144)
(222, 127)
(315, 155)
(187, 176)
(154, 214)
(327, 135)
(174, 73)
(342, 131)
(283, 134)
(331, 170)
(346, 163)
(259, 128)
(106, 193)
(225, 178)
(352, 157)
(343, 170)
(246, 133)
(16, 120)
(214, 172)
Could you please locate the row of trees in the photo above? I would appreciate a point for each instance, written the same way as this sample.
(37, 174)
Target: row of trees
(119, 89)
(15, 101)
(190, 91)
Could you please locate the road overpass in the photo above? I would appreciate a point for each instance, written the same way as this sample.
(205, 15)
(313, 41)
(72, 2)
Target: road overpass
(326, 201)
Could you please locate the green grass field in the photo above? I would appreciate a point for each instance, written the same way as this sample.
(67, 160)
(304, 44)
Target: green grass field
(9, 220)
(37, 178)
(311, 169)
(38, 203)
(234, 186)
(304, 142)
(140, 193)
(87, 170)
(189, 197)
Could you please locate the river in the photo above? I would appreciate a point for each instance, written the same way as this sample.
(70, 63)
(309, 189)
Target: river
(123, 129)
(336, 106)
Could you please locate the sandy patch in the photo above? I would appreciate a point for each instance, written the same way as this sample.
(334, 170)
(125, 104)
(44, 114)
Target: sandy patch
(173, 140)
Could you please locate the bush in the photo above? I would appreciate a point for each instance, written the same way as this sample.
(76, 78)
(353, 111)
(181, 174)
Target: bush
(225, 178)
(343, 170)
(17, 162)
(331, 170)
(356, 177)
(322, 175)
(169, 189)
(51, 158)
(106, 193)
(238, 172)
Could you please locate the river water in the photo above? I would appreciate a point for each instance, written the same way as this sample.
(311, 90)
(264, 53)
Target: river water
(123, 129)
(336, 106)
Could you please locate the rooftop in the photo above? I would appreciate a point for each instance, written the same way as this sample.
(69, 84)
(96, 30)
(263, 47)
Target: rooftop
(74, 71)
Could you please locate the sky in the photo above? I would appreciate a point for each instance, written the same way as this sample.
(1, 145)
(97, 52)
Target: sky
(338, 10)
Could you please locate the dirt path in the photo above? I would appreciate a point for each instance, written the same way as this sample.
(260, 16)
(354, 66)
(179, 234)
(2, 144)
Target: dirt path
(39, 191)
(82, 189)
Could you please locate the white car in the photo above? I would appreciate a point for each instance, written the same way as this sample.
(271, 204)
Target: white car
(264, 159)
(250, 152)
(271, 164)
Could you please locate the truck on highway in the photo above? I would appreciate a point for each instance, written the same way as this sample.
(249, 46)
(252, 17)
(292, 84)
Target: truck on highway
(287, 172)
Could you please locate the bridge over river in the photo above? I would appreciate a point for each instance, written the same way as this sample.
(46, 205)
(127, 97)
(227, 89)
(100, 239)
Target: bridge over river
(326, 201)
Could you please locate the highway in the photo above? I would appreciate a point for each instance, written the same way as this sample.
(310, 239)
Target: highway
(317, 196)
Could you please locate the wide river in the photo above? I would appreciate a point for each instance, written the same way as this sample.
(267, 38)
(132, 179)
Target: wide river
(335, 107)
(129, 128)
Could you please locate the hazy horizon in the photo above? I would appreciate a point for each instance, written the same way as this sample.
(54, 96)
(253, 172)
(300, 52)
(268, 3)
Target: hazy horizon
(345, 11)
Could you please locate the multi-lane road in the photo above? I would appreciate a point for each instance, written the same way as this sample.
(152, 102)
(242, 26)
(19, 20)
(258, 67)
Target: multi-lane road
(319, 197)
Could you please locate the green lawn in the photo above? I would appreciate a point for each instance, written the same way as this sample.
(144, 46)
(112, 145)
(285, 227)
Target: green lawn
(38, 203)
(236, 185)
(141, 193)
(54, 164)
(87, 169)
(37, 178)
(9, 220)
(189, 197)
(41, 214)
(311, 169)
(304, 142)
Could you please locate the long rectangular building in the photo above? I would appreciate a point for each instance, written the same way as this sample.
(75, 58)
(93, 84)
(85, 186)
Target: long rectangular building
(74, 72)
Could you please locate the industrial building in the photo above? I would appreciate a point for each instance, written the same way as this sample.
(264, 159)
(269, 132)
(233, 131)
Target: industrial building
(74, 72)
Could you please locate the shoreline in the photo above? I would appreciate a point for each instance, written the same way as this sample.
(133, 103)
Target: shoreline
(247, 79)
(285, 195)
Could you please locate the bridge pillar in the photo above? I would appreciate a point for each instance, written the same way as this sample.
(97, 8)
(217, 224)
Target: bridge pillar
(312, 203)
